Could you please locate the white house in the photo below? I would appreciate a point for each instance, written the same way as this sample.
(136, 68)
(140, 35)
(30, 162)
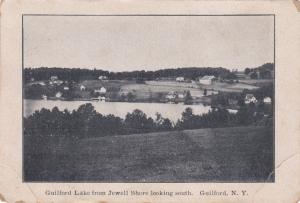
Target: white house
(267, 100)
(180, 79)
(82, 87)
(171, 95)
(102, 77)
(42, 83)
(66, 88)
(44, 97)
(102, 99)
(207, 80)
(181, 95)
(250, 98)
(58, 94)
(102, 90)
(53, 78)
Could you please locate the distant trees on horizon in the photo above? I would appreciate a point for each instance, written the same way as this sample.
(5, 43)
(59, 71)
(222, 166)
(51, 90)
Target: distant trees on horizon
(77, 74)
(262, 72)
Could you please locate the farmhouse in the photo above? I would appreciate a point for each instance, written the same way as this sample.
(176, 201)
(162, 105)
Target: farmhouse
(53, 78)
(180, 79)
(181, 95)
(267, 100)
(102, 90)
(207, 80)
(171, 95)
(101, 99)
(250, 98)
(44, 97)
(58, 94)
(82, 87)
(102, 77)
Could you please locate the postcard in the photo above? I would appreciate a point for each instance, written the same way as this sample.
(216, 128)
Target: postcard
(149, 101)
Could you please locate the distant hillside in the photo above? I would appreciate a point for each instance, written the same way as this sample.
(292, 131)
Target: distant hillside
(78, 74)
(264, 71)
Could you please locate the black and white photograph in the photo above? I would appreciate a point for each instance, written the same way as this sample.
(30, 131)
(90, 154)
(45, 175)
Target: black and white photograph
(148, 98)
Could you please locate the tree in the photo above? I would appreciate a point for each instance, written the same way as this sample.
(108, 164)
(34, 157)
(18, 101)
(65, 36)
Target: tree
(247, 71)
(188, 98)
(187, 114)
(130, 97)
(137, 121)
(205, 92)
(254, 75)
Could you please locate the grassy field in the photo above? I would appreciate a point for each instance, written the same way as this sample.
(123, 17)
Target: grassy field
(239, 154)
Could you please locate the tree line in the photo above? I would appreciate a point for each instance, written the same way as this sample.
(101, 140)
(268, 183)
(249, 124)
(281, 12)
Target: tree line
(86, 122)
(262, 72)
(78, 74)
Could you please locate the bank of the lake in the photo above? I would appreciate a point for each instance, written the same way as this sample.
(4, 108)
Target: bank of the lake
(120, 109)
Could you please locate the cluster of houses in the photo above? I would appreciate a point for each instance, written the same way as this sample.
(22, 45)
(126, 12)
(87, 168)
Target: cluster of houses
(100, 93)
(54, 81)
(205, 80)
(250, 98)
(173, 95)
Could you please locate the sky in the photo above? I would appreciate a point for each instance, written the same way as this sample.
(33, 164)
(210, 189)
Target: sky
(126, 43)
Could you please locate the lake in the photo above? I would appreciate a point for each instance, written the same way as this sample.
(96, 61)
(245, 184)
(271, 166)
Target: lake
(120, 109)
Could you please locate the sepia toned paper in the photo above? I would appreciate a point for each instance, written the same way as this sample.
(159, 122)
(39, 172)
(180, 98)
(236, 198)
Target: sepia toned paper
(273, 24)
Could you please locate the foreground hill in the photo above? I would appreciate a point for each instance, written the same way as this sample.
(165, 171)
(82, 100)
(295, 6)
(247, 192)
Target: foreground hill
(236, 154)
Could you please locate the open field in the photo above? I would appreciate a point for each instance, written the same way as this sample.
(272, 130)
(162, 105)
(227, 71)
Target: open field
(257, 82)
(239, 154)
(225, 87)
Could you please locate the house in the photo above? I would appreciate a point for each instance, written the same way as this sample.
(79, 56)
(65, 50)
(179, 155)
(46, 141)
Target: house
(181, 95)
(44, 97)
(180, 79)
(102, 90)
(53, 78)
(207, 80)
(102, 99)
(250, 98)
(66, 88)
(82, 87)
(58, 94)
(171, 95)
(102, 77)
(267, 100)
(58, 82)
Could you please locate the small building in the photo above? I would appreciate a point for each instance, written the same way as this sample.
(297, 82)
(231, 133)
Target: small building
(181, 95)
(102, 99)
(42, 83)
(102, 77)
(58, 82)
(82, 87)
(207, 80)
(171, 95)
(180, 79)
(44, 97)
(53, 78)
(102, 90)
(267, 100)
(58, 94)
(66, 88)
(250, 98)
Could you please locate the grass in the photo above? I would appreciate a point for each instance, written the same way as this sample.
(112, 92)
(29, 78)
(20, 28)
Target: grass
(238, 154)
